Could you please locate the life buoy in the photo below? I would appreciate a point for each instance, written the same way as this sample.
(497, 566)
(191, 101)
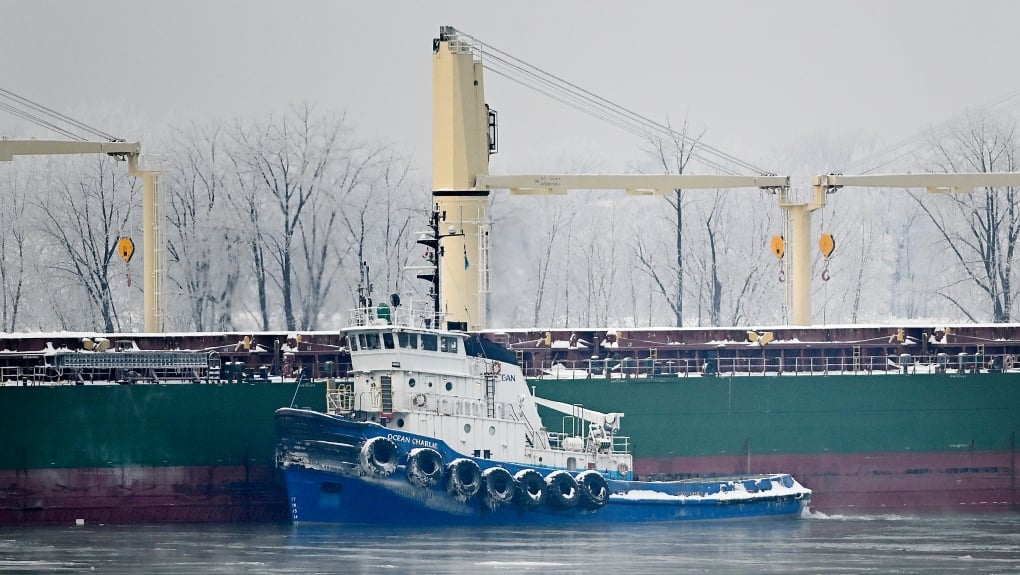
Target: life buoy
(530, 488)
(499, 486)
(465, 478)
(594, 489)
(420, 400)
(562, 489)
(496, 367)
(379, 457)
(623, 469)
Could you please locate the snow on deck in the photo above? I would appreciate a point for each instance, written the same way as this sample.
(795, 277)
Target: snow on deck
(732, 491)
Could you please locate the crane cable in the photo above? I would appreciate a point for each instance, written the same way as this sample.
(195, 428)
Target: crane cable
(570, 94)
(597, 110)
(618, 115)
(581, 99)
(23, 108)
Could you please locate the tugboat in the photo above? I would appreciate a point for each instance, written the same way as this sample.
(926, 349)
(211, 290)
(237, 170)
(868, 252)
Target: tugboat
(438, 427)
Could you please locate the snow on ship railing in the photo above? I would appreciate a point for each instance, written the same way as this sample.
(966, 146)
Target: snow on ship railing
(414, 313)
(750, 366)
(124, 365)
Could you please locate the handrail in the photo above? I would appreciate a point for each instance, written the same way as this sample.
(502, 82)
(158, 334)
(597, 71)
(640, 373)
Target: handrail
(766, 366)
(330, 370)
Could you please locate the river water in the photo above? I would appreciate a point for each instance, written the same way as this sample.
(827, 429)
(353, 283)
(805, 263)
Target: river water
(815, 544)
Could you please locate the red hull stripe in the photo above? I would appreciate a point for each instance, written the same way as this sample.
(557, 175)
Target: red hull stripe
(966, 482)
(142, 495)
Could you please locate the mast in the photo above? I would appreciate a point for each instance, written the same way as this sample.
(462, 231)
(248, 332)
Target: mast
(434, 252)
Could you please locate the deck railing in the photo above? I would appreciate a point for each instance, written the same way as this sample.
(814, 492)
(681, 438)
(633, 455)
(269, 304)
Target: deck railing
(234, 372)
(562, 440)
(758, 366)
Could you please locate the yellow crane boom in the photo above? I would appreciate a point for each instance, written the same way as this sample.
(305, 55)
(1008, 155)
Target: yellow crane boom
(151, 218)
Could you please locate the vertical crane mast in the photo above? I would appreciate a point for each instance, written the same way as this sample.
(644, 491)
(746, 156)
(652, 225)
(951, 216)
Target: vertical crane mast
(461, 144)
(798, 291)
(153, 244)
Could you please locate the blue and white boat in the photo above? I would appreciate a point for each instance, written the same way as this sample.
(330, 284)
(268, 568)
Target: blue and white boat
(438, 427)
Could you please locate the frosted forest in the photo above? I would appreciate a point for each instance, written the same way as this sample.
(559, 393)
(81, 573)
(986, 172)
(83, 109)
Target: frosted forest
(269, 220)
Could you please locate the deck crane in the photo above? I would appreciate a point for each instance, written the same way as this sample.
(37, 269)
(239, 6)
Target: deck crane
(611, 421)
(122, 151)
(464, 137)
(830, 183)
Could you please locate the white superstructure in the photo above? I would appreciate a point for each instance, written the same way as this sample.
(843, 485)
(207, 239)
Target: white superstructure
(468, 392)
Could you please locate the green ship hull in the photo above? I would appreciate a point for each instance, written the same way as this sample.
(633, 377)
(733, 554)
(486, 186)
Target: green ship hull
(938, 442)
(845, 420)
(144, 453)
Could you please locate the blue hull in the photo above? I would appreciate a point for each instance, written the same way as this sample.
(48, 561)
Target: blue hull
(321, 497)
(327, 484)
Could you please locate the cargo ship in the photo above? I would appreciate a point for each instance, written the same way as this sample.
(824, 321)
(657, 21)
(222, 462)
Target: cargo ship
(869, 418)
(160, 434)
(179, 427)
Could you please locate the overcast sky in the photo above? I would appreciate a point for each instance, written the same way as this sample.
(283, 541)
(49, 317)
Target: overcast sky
(761, 78)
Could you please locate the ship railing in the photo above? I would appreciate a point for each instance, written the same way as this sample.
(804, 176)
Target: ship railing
(621, 444)
(71, 368)
(364, 401)
(132, 360)
(134, 366)
(12, 374)
(340, 399)
(417, 313)
(618, 444)
(515, 412)
(903, 363)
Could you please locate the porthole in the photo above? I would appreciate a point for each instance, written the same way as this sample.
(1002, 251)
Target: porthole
(410, 382)
(400, 422)
(467, 428)
(492, 430)
(449, 386)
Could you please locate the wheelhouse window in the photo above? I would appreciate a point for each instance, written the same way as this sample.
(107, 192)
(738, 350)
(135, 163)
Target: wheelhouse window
(369, 340)
(449, 344)
(352, 342)
(387, 338)
(429, 341)
(407, 340)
